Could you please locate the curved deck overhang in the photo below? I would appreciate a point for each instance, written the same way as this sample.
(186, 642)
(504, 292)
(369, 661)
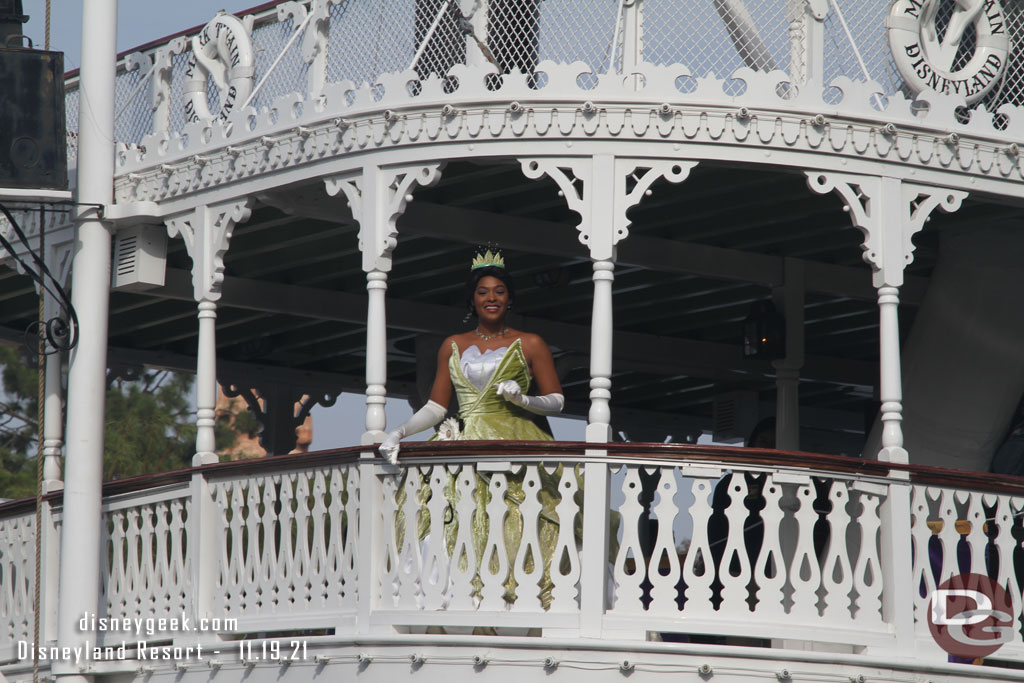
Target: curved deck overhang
(683, 556)
(295, 142)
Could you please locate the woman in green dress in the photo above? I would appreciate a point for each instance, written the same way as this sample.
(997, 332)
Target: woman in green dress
(490, 369)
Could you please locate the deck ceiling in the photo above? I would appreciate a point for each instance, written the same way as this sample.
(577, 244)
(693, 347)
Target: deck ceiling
(698, 255)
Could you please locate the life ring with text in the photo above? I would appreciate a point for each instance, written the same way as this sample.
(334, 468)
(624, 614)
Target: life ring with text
(929, 61)
(223, 50)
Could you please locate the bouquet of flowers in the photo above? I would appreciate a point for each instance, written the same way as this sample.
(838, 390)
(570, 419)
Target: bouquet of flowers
(449, 430)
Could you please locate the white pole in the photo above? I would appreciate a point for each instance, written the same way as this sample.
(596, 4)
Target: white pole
(53, 434)
(615, 37)
(430, 34)
(206, 385)
(80, 539)
(376, 355)
(890, 383)
(600, 417)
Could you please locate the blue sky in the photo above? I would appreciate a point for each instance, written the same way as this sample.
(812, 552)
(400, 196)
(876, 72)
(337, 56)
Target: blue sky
(139, 21)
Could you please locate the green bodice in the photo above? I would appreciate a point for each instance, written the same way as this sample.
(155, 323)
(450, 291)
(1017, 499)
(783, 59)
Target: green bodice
(487, 416)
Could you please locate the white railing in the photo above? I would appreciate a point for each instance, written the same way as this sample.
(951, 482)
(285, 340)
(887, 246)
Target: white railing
(957, 531)
(286, 547)
(300, 47)
(17, 581)
(147, 564)
(674, 541)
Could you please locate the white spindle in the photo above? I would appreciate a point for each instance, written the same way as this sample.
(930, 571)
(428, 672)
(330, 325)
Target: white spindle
(734, 586)
(948, 535)
(434, 579)
(529, 563)
(321, 576)
(976, 538)
(464, 560)
(699, 570)
(266, 570)
(804, 573)
(564, 592)
(837, 575)
(348, 572)
(389, 560)
(494, 567)
(410, 566)
(922, 580)
(1004, 546)
(664, 585)
(867, 575)
(627, 584)
(770, 569)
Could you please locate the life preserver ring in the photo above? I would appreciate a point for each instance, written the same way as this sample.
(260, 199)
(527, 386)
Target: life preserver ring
(223, 49)
(927, 61)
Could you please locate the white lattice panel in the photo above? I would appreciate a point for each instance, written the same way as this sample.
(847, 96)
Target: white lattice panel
(745, 548)
(147, 568)
(456, 539)
(17, 578)
(956, 532)
(287, 543)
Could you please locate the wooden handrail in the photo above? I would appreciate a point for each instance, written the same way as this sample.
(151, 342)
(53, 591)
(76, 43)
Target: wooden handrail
(918, 474)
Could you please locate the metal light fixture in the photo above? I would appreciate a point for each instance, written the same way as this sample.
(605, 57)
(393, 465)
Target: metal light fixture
(764, 332)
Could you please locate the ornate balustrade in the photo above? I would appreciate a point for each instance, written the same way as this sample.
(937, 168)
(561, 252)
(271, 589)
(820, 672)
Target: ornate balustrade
(648, 542)
(324, 80)
(299, 47)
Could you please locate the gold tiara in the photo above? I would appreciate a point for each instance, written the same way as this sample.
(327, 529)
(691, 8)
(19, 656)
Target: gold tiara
(488, 258)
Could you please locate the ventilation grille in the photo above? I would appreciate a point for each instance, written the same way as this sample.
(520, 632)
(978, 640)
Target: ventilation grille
(140, 258)
(734, 416)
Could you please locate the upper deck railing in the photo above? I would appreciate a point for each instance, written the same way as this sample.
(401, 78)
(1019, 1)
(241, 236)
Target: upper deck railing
(299, 47)
(651, 541)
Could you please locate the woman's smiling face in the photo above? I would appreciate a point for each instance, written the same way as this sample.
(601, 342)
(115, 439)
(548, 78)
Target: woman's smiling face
(490, 300)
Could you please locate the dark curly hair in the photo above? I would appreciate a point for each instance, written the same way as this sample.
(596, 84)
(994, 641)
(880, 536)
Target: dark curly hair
(478, 274)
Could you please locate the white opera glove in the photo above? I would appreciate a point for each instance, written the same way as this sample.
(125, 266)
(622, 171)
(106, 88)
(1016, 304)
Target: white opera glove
(549, 404)
(424, 418)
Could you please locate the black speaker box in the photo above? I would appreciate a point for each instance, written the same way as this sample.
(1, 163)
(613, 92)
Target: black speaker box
(33, 143)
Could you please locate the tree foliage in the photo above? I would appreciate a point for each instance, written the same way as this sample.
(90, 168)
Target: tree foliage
(150, 425)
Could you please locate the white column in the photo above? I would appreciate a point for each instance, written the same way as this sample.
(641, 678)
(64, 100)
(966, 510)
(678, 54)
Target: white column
(890, 383)
(889, 212)
(53, 431)
(377, 196)
(207, 232)
(80, 540)
(602, 189)
(600, 196)
(599, 419)
(376, 357)
(206, 385)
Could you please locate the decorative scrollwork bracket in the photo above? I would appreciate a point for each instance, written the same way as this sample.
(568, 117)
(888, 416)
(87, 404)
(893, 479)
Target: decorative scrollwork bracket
(377, 198)
(207, 233)
(889, 212)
